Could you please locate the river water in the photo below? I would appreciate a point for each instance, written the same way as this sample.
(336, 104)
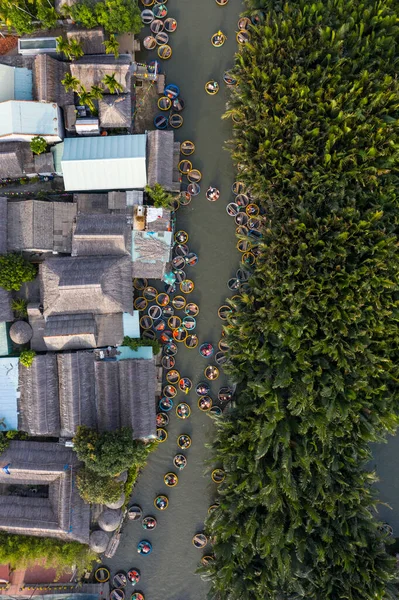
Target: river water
(169, 572)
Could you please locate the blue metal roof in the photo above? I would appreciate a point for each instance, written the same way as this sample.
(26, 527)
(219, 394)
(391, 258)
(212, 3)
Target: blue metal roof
(23, 84)
(141, 352)
(131, 324)
(35, 118)
(9, 391)
(104, 147)
(4, 343)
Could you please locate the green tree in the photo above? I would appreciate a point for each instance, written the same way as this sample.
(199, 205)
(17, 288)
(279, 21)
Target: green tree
(20, 307)
(110, 453)
(86, 98)
(75, 49)
(26, 358)
(17, 17)
(112, 84)
(83, 13)
(136, 343)
(97, 92)
(112, 46)
(95, 488)
(38, 145)
(63, 46)
(14, 271)
(119, 16)
(46, 13)
(160, 197)
(71, 83)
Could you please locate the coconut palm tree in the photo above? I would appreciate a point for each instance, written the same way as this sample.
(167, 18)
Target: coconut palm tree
(97, 92)
(112, 84)
(63, 46)
(75, 49)
(70, 82)
(86, 98)
(112, 46)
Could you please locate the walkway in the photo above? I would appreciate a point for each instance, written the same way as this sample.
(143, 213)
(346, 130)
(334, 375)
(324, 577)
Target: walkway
(169, 572)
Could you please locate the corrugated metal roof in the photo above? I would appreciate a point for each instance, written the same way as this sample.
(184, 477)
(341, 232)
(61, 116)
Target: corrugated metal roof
(131, 324)
(4, 345)
(104, 163)
(35, 118)
(58, 151)
(8, 391)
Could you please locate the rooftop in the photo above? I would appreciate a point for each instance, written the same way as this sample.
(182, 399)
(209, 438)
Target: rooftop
(9, 367)
(29, 118)
(15, 83)
(90, 70)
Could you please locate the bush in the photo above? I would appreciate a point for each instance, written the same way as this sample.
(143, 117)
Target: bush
(26, 358)
(110, 452)
(160, 197)
(20, 551)
(116, 16)
(4, 441)
(38, 145)
(14, 271)
(136, 343)
(20, 307)
(95, 488)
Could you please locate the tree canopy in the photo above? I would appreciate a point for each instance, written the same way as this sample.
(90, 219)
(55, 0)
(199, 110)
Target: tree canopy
(314, 338)
(116, 16)
(14, 271)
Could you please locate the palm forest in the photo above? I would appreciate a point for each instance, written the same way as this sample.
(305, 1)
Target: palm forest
(314, 339)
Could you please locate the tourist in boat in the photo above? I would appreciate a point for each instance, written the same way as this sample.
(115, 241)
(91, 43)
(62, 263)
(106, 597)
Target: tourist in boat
(212, 194)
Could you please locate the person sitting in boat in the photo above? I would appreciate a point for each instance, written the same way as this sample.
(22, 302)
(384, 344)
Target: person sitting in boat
(212, 86)
(218, 38)
(212, 194)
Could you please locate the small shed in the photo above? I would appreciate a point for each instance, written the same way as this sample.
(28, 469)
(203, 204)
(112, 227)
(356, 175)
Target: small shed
(21, 332)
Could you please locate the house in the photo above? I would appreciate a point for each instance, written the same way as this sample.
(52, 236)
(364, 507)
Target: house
(90, 70)
(103, 163)
(61, 392)
(16, 160)
(92, 41)
(40, 226)
(48, 72)
(20, 121)
(115, 111)
(163, 155)
(9, 394)
(102, 235)
(109, 203)
(56, 509)
(151, 242)
(15, 83)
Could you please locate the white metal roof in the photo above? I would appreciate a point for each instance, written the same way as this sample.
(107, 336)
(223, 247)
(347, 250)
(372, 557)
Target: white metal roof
(25, 117)
(104, 163)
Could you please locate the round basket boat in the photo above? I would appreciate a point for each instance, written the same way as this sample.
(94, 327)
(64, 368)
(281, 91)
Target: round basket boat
(178, 262)
(161, 2)
(238, 187)
(169, 391)
(137, 596)
(211, 372)
(254, 224)
(165, 404)
(160, 11)
(184, 198)
(225, 394)
(179, 302)
(172, 91)
(169, 288)
(181, 250)
(175, 120)
(205, 560)
(224, 311)
(194, 176)
(215, 410)
(206, 350)
(233, 284)
(241, 218)
(185, 384)
(147, 3)
(218, 39)
(162, 419)
(212, 87)
(191, 309)
(119, 580)
(184, 441)
(181, 236)
(166, 338)
(173, 376)
(162, 299)
(148, 334)
(221, 2)
(168, 311)
(117, 594)
(175, 204)
(146, 322)
(162, 38)
(243, 246)
(171, 479)
(220, 358)
(139, 283)
(223, 345)
(160, 121)
(174, 322)
(229, 79)
(242, 275)
(248, 259)
(193, 189)
(155, 312)
(133, 576)
(180, 461)
(185, 166)
(150, 293)
(218, 475)
(162, 434)
(147, 16)
(157, 26)
(212, 194)
(204, 403)
(189, 323)
(202, 389)
(170, 349)
(164, 103)
(187, 147)
(242, 230)
(161, 502)
(244, 23)
(212, 508)
(149, 523)
(144, 547)
(170, 25)
(187, 286)
(140, 303)
(252, 210)
(180, 334)
(200, 540)
(191, 341)
(243, 36)
(168, 362)
(232, 209)
(183, 411)
(180, 276)
(178, 104)
(149, 42)
(102, 574)
(242, 200)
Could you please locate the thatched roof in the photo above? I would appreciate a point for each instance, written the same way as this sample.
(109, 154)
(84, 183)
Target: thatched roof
(91, 203)
(16, 159)
(63, 514)
(48, 73)
(40, 225)
(90, 70)
(102, 235)
(92, 40)
(3, 225)
(44, 163)
(6, 313)
(86, 284)
(110, 519)
(38, 403)
(118, 503)
(151, 255)
(115, 111)
(20, 332)
(98, 541)
(160, 160)
(70, 332)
